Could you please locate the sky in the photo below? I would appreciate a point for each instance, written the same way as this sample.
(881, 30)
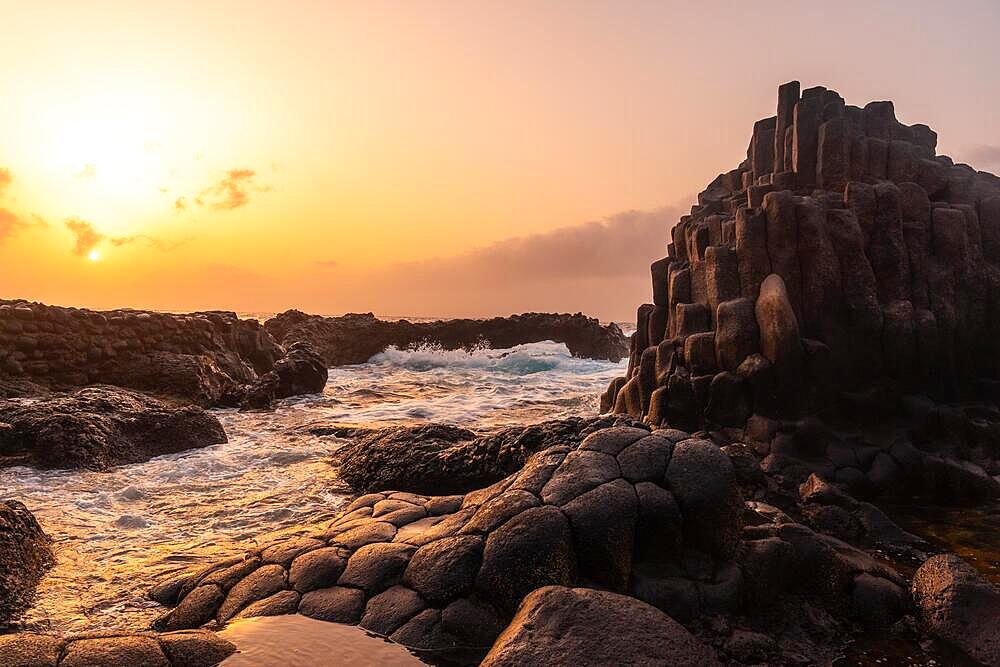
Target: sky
(421, 158)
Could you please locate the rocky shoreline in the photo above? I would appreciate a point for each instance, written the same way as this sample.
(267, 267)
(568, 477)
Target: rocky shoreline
(823, 335)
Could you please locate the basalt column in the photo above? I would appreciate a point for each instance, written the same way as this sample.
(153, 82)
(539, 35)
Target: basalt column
(841, 256)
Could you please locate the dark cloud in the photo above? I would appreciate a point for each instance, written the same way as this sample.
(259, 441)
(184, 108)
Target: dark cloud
(985, 156)
(180, 204)
(86, 236)
(232, 191)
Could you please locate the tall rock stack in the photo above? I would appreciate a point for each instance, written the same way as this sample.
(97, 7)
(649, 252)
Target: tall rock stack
(842, 255)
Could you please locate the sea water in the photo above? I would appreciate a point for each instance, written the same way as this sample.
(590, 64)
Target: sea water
(116, 533)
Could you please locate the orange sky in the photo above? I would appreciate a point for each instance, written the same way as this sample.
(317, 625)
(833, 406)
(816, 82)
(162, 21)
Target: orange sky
(422, 158)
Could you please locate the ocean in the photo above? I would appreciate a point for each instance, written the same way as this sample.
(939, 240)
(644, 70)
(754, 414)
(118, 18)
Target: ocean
(117, 533)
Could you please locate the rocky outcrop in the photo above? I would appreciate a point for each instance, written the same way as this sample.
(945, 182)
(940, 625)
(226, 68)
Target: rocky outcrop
(958, 605)
(191, 648)
(442, 459)
(25, 554)
(656, 516)
(204, 358)
(355, 338)
(844, 273)
(300, 371)
(98, 427)
(580, 626)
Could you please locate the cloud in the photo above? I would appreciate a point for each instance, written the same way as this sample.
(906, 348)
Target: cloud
(231, 192)
(328, 263)
(6, 178)
(88, 171)
(10, 221)
(985, 156)
(150, 241)
(600, 267)
(180, 204)
(87, 238)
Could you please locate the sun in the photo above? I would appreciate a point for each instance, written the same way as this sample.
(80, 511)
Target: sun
(93, 255)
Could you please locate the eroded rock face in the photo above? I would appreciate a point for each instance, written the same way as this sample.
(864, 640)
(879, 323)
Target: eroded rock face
(204, 358)
(958, 605)
(355, 338)
(25, 554)
(441, 459)
(98, 427)
(300, 371)
(844, 272)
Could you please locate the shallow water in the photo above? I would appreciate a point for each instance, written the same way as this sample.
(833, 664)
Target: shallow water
(117, 533)
(973, 533)
(297, 641)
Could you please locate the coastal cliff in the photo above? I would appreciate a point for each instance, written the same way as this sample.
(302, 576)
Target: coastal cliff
(845, 277)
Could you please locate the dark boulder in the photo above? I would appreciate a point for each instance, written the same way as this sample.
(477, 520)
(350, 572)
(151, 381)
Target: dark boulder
(98, 427)
(300, 371)
(25, 554)
(441, 459)
(581, 626)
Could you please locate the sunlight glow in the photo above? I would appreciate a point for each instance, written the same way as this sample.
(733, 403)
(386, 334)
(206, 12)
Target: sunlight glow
(93, 255)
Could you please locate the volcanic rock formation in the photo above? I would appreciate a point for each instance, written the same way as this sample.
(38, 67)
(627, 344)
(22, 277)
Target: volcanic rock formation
(440, 459)
(655, 515)
(844, 272)
(98, 427)
(355, 338)
(204, 358)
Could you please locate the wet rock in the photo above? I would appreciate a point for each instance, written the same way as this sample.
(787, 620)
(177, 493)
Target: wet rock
(29, 650)
(320, 568)
(337, 604)
(25, 554)
(99, 427)
(197, 608)
(300, 371)
(195, 648)
(577, 626)
(283, 602)
(263, 582)
(132, 650)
